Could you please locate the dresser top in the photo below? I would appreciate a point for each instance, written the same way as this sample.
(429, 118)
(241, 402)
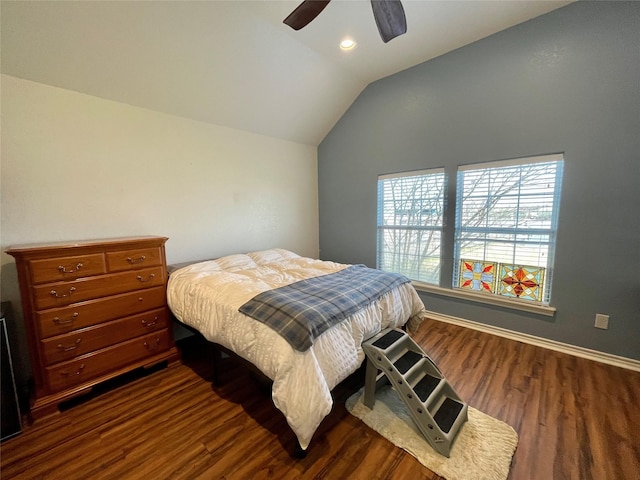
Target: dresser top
(70, 246)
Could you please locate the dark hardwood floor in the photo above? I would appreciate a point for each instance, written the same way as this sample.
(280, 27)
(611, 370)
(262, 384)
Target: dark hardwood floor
(576, 419)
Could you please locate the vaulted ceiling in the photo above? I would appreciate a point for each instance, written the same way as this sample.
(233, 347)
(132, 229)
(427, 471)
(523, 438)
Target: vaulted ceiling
(234, 63)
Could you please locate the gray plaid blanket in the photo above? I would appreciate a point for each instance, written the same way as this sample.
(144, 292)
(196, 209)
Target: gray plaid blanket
(300, 312)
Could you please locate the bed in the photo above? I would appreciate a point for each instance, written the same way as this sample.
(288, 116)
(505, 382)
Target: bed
(207, 296)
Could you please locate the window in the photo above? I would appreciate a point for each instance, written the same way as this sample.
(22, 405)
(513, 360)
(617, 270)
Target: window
(506, 223)
(410, 218)
(506, 220)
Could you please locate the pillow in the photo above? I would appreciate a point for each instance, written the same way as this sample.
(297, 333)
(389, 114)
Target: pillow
(272, 255)
(266, 256)
(286, 253)
(238, 261)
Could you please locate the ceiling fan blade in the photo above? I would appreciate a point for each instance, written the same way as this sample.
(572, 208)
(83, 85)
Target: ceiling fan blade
(305, 12)
(390, 18)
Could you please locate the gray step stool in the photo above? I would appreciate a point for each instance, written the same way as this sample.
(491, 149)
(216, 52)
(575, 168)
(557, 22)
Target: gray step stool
(394, 358)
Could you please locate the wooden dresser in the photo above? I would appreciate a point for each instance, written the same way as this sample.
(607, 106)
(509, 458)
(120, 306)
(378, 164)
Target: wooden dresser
(92, 310)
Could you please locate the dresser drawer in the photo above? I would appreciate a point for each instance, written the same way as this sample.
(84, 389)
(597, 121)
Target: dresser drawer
(66, 268)
(79, 342)
(59, 294)
(93, 365)
(134, 259)
(63, 320)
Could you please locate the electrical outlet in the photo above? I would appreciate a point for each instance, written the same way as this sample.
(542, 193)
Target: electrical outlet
(602, 321)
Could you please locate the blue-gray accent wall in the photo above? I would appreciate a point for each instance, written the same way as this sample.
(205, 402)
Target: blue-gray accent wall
(566, 82)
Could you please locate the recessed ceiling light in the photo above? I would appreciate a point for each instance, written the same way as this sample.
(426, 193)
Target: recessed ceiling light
(347, 44)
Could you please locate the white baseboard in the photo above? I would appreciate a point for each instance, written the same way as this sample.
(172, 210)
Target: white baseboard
(602, 357)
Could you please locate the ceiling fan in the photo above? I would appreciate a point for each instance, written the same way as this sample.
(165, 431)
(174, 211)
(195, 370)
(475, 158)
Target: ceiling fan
(389, 16)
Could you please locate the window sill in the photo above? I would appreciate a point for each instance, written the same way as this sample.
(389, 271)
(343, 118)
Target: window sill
(487, 299)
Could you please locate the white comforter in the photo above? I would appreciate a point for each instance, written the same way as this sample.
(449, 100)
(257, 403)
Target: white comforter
(207, 296)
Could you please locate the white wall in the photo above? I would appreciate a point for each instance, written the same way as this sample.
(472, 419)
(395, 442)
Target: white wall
(79, 167)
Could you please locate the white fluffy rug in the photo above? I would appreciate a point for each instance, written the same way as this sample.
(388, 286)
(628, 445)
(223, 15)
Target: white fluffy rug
(482, 450)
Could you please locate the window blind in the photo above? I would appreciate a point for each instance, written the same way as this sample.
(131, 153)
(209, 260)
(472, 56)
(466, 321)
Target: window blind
(410, 217)
(507, 213)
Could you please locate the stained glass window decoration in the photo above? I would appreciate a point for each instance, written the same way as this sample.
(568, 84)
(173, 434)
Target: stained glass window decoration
(478, 275)
(521, 281)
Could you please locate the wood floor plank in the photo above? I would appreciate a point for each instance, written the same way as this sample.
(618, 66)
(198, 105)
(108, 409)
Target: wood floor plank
(576, 419)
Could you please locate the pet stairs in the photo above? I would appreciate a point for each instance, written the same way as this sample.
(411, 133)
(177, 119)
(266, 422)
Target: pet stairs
(393, 357)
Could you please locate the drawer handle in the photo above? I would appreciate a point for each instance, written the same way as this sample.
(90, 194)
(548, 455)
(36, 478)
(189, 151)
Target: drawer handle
(149, 278)
(153, 346)
(68, 348)
(57, 295)
(59, 321)
(150, 324)
(133, 261)
(77, 372)
(63, 269)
